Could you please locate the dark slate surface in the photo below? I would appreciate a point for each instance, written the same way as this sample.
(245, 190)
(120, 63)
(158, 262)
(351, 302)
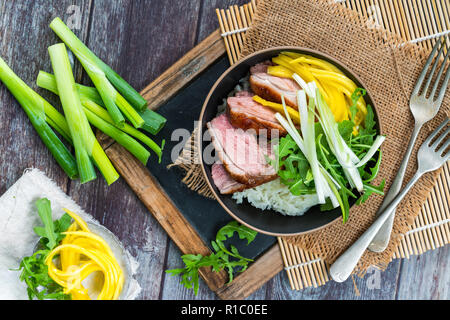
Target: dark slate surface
(206, 215)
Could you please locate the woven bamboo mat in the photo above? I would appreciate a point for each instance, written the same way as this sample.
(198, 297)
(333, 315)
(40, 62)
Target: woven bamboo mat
(417, 21)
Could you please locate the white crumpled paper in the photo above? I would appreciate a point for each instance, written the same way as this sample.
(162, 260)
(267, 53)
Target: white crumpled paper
(18, 217)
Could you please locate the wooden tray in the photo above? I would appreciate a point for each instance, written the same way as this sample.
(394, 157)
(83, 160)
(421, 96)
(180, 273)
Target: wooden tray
(191, 220)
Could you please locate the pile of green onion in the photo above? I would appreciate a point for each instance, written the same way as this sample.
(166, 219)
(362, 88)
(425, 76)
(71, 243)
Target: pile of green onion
(113, 107)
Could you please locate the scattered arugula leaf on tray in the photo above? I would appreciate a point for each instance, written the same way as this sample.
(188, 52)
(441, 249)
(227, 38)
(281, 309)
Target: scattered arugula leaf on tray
(34, 270)
(223, 258)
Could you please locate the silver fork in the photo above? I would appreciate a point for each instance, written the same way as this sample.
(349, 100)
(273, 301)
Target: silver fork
(431, 156)
(424, 107)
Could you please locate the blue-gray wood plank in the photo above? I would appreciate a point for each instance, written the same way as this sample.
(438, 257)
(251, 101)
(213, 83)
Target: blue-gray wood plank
(140, 39)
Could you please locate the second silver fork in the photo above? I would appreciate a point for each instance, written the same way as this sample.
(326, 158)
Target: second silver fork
(423, 107)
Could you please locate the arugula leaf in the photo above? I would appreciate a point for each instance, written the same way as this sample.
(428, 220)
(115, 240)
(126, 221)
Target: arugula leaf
(374, 170)
(34, 270)
(62, 225)
(218, 260)
(369, 122)
(356, 95)
(286, 146)
(299, 188)
(368, 132)
(232, 227)
(346, 129)
(369, 190)
(48, 231)
(298, 163)
(35, 275)
(293, 168)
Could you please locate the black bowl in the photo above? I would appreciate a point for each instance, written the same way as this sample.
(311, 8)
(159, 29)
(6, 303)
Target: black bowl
(265, 221)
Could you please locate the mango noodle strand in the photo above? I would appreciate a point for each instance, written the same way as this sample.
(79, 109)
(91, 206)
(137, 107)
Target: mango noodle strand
(80, 254)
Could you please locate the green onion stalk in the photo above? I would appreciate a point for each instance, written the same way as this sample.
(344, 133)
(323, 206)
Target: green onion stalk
(105, 80)
(36, 108)
(134, 147)
(94, 109)
(92, 102)
(84, 141)
(108, 128)
(153, 121)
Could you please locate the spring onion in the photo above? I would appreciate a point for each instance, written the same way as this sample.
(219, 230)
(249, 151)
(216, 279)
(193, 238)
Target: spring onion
(106, 80)
(98, 116)
(373, 149)
(35, 106)
(343, 153)
(307, 118)
(308, 133)
(101, 113)
(307, 146)
(134, 147)
(153, 122)
(347, 159)
(84, 141)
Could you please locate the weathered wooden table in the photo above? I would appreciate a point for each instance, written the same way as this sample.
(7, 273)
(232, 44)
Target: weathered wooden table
(140, 39)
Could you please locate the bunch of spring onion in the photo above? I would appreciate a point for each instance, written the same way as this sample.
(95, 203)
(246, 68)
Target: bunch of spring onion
(85, 106)
(99, 117)
(330, 181)
(119, 97)
(42, 115)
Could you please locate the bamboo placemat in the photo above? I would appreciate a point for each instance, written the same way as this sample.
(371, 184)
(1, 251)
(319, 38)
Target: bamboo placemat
(417, 21)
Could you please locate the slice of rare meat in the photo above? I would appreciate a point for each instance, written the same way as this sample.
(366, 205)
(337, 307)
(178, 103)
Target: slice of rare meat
(223, 181)
(245, 113)
(261, 67)
(272, 88)
(240, 153)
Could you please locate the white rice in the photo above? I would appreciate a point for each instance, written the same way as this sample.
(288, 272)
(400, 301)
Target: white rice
(243, 85)
(275, 195)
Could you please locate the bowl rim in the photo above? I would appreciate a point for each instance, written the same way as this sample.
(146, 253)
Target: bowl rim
(199, 141)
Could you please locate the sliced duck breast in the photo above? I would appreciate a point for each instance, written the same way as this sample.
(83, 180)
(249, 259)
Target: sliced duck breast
(240, 153)
(245, 113)
(261, 67)
(272, 88)
(223, 181)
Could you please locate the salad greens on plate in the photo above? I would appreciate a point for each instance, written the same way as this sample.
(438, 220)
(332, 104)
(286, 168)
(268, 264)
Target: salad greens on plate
(328, 147)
